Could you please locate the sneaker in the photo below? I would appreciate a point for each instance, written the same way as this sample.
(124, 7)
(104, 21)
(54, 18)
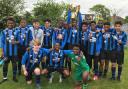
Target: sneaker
(60, 80)
(4, 80)
(15, 79)
(38, 86)
(84, 86)
(50, 79)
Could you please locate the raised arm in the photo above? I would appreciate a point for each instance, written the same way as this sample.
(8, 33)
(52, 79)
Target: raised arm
(69, 17)
(64, 39)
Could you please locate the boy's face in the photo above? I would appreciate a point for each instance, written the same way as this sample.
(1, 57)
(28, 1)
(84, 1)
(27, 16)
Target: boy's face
(118, 27)
(36, 48)
(23, 23)
(106, 27)
(84, 27)
(60, 23)
(76, 50)
(93, 26)
(74, 23)
(36, 25)
(47, 24)
(10, 24)
(100, 23)
(66, 26)
(57, 46)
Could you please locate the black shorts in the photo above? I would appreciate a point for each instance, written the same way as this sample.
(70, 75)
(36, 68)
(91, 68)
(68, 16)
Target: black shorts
(21, 52)
(106, 55)
(30, 72)
(118, 57)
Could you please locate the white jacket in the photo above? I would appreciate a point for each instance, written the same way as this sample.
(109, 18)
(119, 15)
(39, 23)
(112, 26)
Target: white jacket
(37, 34)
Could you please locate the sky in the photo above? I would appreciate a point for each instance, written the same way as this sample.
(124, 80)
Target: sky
(120, 5)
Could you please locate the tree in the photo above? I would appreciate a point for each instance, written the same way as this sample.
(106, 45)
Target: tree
(101, 10)
(49, 9)
(126, 19)
(10, 7)
(28, 16)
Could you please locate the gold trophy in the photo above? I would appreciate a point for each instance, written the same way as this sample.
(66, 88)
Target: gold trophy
(74, 10)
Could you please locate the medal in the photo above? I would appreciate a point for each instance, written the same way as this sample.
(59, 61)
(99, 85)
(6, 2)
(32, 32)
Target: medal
(7, 38)
(9, 41)
(47, 34)
(36, 60)
(105, 41)
(12, 37)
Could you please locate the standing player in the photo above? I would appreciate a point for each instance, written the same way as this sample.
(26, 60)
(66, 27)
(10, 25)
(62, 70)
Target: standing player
(25, 37)
(94, 48)
(10, 48)
(48, 31)
(84, 38)
(107, 34)
(37, 32)
(119, 41)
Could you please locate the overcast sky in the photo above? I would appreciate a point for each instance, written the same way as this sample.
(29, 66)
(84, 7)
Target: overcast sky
(119, 5)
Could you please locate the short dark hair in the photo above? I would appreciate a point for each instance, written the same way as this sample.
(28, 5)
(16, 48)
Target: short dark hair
(47, 20)
(118, 22)
(35, 20)
(10, 19)
(76, 45)
(23, 19)
(107, 23)
(84, 23)
(93, 22)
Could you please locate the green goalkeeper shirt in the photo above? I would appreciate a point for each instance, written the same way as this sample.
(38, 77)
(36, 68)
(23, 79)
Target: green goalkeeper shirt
(80, 65)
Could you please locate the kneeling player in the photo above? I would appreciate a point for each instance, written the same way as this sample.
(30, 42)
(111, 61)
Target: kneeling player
(56, 63)
(82, 69)
(31, 63)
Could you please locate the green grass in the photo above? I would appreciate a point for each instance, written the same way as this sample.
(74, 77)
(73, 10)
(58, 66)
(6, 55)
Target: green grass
(68, 83)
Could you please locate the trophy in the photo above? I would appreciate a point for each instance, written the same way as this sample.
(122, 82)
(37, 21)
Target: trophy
(74, 10)
(75, 18)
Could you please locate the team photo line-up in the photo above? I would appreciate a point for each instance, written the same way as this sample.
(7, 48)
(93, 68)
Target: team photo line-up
(42, 50)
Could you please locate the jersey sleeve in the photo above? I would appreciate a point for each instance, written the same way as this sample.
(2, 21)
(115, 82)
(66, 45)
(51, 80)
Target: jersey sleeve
(30, 35)
(25, 58)
(67, 52)
(65, 39)
(47, 51)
